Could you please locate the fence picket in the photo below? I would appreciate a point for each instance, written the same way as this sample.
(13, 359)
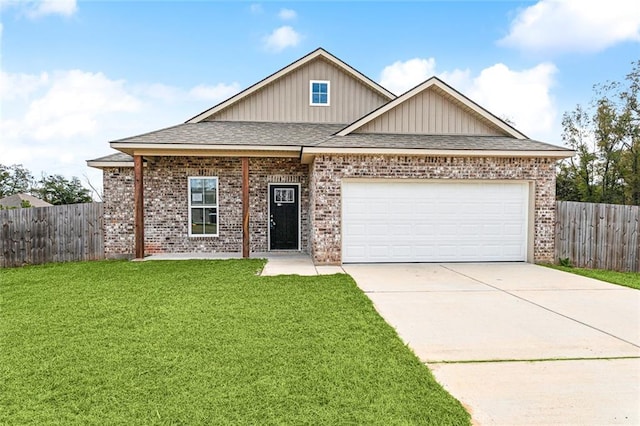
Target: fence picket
(51, 234)
(594, 235)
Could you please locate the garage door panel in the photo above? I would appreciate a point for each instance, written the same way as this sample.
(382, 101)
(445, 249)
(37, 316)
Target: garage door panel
(421, 222)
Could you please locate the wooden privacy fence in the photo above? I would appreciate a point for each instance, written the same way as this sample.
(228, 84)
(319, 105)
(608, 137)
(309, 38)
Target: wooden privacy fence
(600, 236)
(51, 234)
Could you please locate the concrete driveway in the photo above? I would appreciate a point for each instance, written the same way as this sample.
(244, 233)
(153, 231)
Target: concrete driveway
(517, 343)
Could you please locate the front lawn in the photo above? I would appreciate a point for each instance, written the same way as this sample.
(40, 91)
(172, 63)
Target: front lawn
(627, 279)
(203, 342)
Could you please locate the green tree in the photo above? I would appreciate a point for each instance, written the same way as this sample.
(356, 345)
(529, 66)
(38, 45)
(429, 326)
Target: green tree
(630, 123)
(577, 176)
(56, 189)
(606, 139)
(15, 179)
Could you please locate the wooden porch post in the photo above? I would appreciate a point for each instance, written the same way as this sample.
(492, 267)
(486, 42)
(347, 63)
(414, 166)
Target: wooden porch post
(138, 206)
(245, 207)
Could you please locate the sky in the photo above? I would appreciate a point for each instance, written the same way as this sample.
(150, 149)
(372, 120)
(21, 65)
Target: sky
(75, 75)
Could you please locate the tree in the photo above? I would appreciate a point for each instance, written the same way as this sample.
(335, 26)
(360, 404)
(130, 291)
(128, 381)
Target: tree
(630, 122)
(576, 177)
(15, 179)
(606, 139)
(56, 189)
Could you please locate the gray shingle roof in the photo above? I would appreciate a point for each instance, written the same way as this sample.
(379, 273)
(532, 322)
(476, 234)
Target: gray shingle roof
(118, 157)
(443, 142)
(318, 135)
(238, 133)
(16, 200)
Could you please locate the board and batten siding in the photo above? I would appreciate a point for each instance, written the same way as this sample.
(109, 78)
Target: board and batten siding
(287, 99)
(429, 112)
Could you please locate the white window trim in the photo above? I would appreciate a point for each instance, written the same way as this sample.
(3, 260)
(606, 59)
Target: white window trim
(217, 206)
(328, 83)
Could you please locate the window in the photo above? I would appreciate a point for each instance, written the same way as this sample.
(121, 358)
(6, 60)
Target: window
(284, 195)
(203, 206)
(319, 91)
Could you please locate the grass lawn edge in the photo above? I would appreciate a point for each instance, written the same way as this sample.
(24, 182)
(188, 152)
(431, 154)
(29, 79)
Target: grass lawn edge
(625, 279)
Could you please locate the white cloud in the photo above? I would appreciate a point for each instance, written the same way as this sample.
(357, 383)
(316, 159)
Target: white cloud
(255, 8)
(281, 38)
(523, 97)
(38, 8)
(402, 76)
(74, 103)
(216, 93)
(53, 121)
(53, 7)
(287, 14)
(14, 86)
(574, 25)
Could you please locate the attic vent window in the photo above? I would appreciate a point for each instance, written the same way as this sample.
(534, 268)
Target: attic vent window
(319, 91)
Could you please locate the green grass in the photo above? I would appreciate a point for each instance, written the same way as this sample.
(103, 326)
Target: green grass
(627, 279)
(203, 342)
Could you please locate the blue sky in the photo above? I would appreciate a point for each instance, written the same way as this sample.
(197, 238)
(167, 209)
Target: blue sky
(75, 75)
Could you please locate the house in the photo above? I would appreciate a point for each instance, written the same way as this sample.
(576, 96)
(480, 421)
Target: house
(18, 200)
(319, 158)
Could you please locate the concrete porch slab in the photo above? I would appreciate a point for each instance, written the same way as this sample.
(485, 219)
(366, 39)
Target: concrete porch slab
(289, 265)
(191, 256)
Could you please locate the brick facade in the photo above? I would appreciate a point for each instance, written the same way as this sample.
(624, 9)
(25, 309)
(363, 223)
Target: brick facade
(166, 204)
(327, 173)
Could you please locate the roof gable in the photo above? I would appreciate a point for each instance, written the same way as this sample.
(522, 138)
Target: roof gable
(432, 107)
(284, 95)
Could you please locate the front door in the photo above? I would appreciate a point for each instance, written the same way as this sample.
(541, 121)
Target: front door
(284, 217)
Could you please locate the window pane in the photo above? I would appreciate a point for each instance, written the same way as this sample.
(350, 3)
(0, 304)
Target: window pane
(323, 88)
(323, 99)
(316, 98)
(210, 192)
(210, 221)
(315, 87)
(197, 187)
(197, 221)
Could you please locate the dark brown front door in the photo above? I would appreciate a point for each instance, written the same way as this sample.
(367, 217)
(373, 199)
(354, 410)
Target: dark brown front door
(284, 217)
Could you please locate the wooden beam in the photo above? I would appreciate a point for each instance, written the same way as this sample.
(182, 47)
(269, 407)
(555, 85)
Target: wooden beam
(245, 207)
(138, 206)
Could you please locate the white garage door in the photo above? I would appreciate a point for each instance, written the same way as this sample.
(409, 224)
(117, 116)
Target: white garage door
(434, 221)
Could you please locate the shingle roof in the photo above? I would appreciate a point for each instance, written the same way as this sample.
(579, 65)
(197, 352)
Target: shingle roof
(118, 157)
(318, 135)
(444, 142)
(16, 200)
(238, 133)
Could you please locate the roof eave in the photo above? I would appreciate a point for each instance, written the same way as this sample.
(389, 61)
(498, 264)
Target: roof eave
(106, 164)
(207, 150)
(308, 153)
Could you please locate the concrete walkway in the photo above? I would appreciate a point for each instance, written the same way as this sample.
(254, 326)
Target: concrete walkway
(278, 263)
(295, 264)
(517, 343)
